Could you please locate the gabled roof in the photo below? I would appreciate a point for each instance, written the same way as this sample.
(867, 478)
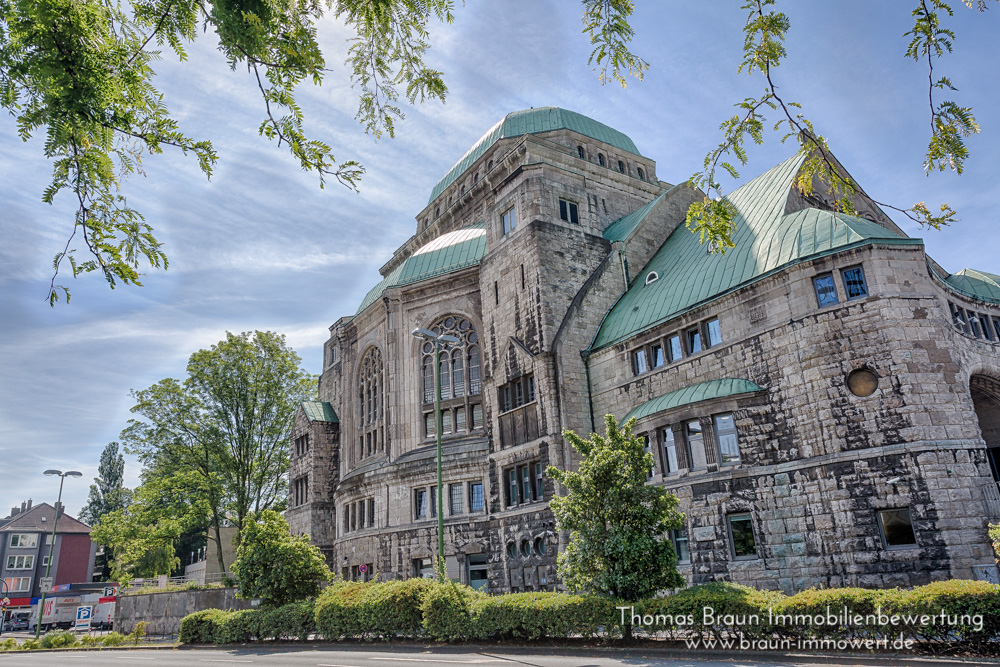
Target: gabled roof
(447, 253)
(977, 284)
(703, 391)
(31, 521)
(320, 411)
(767, 239)
(533, 121)
(620, 229)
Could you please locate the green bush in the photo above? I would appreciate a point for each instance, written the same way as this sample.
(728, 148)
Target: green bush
(237, 627)
(197, 628)
(535, 615)
(372, 610)
(818, 605)
(719, 608)
(113, 639)
(971, 611)
(448, 609)
(9, 644)
(30, 645)
(89, 640)
(291, 621)
(57, 639)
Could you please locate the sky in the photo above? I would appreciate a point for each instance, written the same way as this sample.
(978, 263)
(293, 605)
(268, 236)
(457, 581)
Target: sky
(261, 247)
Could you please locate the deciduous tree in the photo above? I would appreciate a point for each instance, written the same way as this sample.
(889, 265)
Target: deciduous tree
(223, 431)
(618, 526)
(275, 566)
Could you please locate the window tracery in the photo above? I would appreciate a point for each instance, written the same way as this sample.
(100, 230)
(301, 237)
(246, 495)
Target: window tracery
(461, 379)
(371, 389)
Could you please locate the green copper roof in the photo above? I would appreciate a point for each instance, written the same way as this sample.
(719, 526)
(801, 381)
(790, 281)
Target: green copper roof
(766, 240)
(703, 391)
(533, 121)
(977, 284)
(320, 411)
(447, 253)
(620, 229)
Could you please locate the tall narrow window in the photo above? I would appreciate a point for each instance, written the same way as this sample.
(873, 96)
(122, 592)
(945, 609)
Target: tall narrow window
(741, 537)
(455, 493)
(696, 444)
(674, 347)
(669, 451)
(656, 355)
(475, 383)
(647, 448)
(639, 361)
(370, 396)
(580, 153)
(512, 495)
(854, 283)
(713, 333)
(693, 340)
(476, 497)
(600, 160)
(458, 373)
(509, 220)
(621, 166)
(371, 511)
(725, 434)
(642, 174)
(680, 540)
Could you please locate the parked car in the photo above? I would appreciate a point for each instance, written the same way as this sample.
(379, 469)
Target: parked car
(15, 624)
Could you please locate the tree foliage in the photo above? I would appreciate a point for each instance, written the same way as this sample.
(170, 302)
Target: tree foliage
(108, 492)
(221, 433)
(275, 566)
(714, 218)
(619, 544)
(81, 73)
(141, 536)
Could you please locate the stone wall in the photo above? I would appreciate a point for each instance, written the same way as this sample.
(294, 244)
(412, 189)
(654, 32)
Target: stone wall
(163, 611)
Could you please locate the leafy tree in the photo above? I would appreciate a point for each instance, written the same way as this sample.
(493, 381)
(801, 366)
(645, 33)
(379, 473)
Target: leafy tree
(275, 566)
(221, 433)
(80, 71)
(618, 525)
(108, 492)
(141, 536)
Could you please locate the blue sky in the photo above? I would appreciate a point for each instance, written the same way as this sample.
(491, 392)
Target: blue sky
(261, 246)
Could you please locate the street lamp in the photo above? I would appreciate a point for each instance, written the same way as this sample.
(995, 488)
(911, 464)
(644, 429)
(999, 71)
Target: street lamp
(438, 339)
(52, 542)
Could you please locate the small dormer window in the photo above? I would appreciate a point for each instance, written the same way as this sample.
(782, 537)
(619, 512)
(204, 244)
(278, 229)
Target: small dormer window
(621, 166)
(600, 160)
(652, 277)
(642, 174)
(579, 151)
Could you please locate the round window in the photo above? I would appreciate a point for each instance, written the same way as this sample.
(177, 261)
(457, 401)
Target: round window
(862, 382)
(511, 550)
(525, 548)
(539, 546)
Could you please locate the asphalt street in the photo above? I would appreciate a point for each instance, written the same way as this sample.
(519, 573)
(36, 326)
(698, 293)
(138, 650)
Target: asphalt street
(435, 657)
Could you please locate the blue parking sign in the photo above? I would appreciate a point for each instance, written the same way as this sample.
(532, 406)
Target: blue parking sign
(83, 615)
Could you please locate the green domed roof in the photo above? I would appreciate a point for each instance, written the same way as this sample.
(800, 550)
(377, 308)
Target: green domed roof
(533, 121)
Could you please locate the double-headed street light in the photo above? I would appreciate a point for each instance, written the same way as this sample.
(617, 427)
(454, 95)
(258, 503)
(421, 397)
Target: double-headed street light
(52, 542)
(438, 339)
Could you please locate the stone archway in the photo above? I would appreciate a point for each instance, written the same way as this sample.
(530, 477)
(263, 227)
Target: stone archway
(986, 400)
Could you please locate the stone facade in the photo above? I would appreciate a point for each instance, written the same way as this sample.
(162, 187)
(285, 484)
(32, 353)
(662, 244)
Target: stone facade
(818, 485)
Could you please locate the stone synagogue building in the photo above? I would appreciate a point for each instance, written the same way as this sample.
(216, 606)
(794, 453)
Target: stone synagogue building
(824, 399)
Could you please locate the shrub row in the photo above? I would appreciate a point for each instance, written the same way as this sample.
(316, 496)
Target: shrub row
(63, 639)
(967, 611)
(215, 626)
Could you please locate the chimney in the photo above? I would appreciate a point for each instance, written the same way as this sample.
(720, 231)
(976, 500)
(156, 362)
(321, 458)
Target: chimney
(60, 510)
(22, 505)
(29, 503)
(14, 511)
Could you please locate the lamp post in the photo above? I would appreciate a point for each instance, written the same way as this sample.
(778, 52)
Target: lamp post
(438, 339)
(3, 605)
(52, 542)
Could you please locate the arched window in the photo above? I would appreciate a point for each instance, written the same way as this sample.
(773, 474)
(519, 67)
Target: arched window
(461, 382)
(475, 178)
(371, 432)
(642, 174)
(600, 160)
(489, 165)
(621, 166)
(579, 151)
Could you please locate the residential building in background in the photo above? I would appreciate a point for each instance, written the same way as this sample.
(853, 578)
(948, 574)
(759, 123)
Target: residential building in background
(823, 398)
(25, 538)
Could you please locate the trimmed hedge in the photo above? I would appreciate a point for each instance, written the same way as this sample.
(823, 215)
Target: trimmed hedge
(963, 611)
(374, 610)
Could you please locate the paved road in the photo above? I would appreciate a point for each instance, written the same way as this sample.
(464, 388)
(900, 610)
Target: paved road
(415, 657)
